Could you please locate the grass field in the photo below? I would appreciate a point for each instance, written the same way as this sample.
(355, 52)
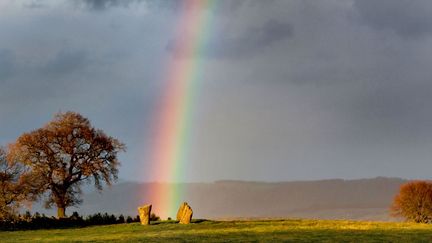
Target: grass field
(235, 231)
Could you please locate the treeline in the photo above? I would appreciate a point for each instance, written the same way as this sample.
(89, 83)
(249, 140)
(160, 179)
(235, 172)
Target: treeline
(27, 221)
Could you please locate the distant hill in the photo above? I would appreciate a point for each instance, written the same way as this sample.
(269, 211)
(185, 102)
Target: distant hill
(363, 199)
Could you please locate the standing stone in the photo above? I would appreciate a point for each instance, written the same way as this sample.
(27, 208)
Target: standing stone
(144, 214)
(184, 214)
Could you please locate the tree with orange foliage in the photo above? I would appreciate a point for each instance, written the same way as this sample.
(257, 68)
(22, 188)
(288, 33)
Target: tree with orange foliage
(414, 202)
(16, 186)
(64, 154)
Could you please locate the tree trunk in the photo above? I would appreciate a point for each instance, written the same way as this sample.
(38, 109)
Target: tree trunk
(59, 194)
(61, 212)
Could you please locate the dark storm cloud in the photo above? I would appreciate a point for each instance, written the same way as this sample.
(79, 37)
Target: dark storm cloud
(295, 89)
(249, 43)
(405, 17)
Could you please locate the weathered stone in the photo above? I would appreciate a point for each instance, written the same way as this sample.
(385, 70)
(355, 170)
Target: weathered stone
(144, 214)
(184, 214)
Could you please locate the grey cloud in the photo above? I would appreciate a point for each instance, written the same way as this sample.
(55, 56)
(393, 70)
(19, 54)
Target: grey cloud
(393, 110)
(249, 43)
(66, 62)
(56, 78)
(35, 4)
(252, 41)
(405, 17)
(101, 5)
(222, 6)
(105, 4)
(7, 64)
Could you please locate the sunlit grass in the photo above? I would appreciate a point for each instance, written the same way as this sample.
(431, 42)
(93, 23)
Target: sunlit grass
(234, 231)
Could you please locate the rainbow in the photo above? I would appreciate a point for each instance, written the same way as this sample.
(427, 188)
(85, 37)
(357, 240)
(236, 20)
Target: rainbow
(173, 123)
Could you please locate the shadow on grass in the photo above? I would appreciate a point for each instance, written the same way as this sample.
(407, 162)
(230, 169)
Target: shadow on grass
(197, 221)
(194, 221)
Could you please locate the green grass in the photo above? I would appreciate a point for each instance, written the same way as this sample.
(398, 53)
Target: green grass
(235, 231)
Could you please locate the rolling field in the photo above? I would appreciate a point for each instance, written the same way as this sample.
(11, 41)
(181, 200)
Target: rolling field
(235, 231)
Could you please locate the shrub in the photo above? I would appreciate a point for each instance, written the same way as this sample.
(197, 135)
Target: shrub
(154, 217)
(38, 221)
(136, 219)
(414, 202)
(121, 219)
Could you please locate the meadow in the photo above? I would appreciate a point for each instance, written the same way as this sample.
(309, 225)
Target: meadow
(234, 231)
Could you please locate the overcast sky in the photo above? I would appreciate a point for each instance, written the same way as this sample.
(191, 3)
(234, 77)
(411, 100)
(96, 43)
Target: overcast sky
(291, 90)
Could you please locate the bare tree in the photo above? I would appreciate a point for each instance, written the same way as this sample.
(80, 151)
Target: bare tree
(65, 153)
